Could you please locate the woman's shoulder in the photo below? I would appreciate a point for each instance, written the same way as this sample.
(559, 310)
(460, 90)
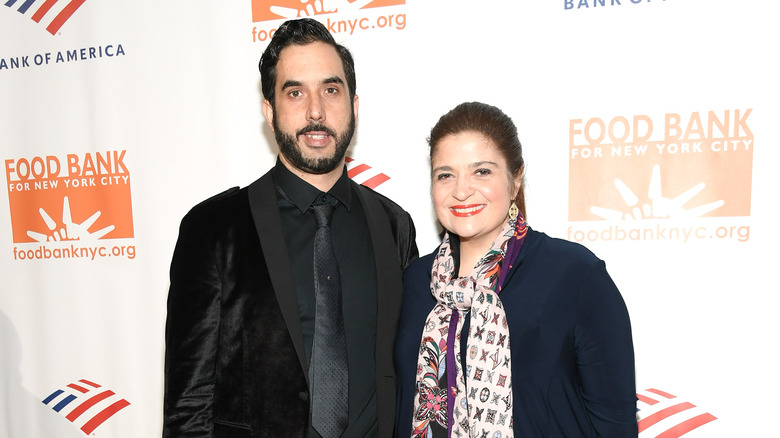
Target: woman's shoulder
(417, 298)
(542, 245)
(421, 265)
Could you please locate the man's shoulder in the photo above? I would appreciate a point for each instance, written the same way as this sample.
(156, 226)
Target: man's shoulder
(380, 209)
(390, 206)
(222, 199)
(222, 205)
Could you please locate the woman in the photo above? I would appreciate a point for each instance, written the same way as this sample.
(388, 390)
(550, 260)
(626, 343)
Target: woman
(504, 331)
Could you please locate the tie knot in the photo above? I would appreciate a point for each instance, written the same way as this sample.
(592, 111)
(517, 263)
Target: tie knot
(323, 213)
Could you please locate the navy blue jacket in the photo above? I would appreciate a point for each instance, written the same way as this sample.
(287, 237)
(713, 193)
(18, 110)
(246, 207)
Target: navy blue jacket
(570, 337)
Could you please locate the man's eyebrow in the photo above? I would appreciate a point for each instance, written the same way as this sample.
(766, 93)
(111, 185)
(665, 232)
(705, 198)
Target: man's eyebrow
(333, 80)
(295, 83)
(291, 83)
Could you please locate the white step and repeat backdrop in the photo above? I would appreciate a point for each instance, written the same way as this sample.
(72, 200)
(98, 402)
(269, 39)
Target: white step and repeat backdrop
(651, 136)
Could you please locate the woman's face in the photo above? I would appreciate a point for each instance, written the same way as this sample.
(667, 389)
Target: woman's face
(472, 187)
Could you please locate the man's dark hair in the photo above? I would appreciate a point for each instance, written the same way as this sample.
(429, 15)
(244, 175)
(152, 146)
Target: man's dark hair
(300, 32)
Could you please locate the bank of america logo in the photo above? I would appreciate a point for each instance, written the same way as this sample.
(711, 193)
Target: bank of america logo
(48, 7)
(662, 415)
(86, 404)
(363, 174)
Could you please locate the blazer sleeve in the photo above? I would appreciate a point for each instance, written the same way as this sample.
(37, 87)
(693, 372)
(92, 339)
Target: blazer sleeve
(605, 355)
(406, 238)
(191, 332)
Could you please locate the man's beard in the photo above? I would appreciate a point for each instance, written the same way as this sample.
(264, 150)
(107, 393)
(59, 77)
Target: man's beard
(289, 148)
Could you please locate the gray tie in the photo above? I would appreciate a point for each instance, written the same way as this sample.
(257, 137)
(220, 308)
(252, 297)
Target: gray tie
(328, 370)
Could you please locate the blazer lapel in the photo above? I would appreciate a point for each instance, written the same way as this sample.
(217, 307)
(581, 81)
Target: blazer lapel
(388, 275)
(268, 223)
(388, 279)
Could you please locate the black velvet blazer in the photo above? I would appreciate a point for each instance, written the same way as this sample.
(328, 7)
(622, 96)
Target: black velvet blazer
(234, 359)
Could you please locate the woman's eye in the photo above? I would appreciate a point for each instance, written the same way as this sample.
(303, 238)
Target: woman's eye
(442, 176)
(483, 172)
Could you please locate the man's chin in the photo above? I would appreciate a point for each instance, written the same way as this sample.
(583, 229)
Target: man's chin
(316, 165)
(309, 152)
(312, 159)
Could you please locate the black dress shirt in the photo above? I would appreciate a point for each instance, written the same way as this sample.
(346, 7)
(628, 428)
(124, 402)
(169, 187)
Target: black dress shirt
(355, 258)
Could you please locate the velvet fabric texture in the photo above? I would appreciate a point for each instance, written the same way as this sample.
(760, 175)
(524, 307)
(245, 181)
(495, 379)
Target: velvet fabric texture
(234, 360)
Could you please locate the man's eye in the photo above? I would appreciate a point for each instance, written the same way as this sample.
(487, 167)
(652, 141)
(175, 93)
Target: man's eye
(294, 93)
(331, 90)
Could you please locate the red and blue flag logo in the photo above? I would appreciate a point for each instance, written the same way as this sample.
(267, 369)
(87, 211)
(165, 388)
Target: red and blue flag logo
(45, 8)
(86, 404)
(663, 415)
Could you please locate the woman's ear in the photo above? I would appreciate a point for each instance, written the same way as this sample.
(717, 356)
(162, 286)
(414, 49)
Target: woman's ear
(518, 182)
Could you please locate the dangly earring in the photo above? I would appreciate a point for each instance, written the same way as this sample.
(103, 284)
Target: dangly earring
(513, 211)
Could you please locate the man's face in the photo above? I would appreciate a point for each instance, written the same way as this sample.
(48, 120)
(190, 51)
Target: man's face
(313, 117)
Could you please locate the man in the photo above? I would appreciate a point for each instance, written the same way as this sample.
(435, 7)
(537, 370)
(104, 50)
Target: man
(243, 306)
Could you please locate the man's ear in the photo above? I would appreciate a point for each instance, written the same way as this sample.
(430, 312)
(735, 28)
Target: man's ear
(355, 102)
(268, 112)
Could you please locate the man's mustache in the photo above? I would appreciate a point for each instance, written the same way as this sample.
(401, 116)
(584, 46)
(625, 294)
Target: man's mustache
(316, 127)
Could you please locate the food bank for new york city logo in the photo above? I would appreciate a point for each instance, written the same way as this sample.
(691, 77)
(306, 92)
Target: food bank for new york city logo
(81, 197)
(677, 166)
(264, 10)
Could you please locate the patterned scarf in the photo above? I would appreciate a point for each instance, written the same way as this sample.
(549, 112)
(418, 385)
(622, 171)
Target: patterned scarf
(478, 401)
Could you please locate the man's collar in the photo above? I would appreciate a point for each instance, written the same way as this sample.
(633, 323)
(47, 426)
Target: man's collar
(302, 194)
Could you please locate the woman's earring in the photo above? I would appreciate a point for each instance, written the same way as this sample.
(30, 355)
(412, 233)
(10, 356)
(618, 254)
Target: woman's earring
(513, 211)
